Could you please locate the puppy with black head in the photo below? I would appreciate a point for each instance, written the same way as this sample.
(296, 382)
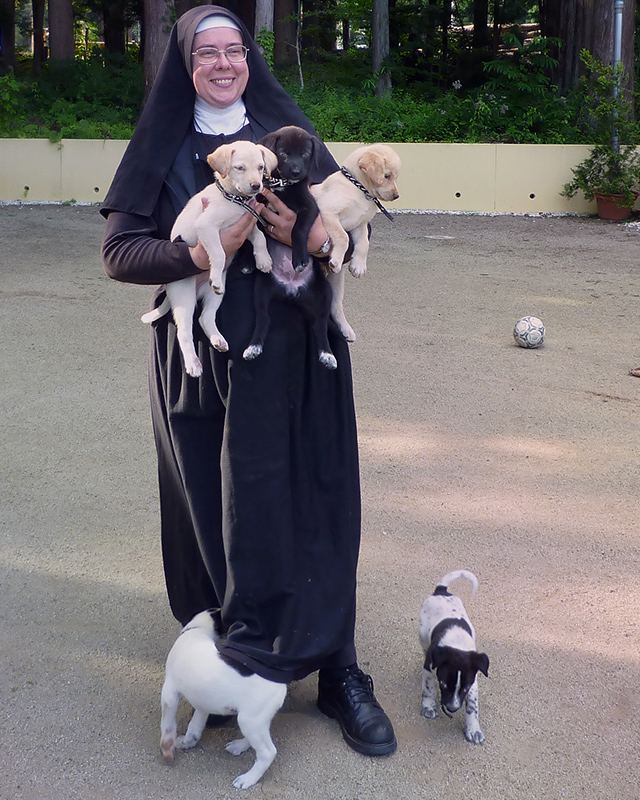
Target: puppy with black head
(297, 152)
(295, 276)
(451, 659)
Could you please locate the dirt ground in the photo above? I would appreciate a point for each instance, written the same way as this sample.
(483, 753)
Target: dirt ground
(521, 465)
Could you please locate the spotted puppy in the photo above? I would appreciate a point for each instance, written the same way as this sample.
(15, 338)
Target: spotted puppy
(196, 671)
(449, 642)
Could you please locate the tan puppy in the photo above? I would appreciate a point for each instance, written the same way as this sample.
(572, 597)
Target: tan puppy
(240, 170)
(348, 208)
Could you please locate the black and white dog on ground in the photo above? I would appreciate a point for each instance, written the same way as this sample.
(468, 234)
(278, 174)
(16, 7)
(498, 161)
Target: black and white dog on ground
(451, 660)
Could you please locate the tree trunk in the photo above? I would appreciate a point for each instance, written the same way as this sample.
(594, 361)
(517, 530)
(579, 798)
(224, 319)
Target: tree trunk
(39, 54)
(156, 29)
(586, 24)
(115, 32)
(380, 45)
(286, 31)
(61, 41)
(264, 16)
(7, 36)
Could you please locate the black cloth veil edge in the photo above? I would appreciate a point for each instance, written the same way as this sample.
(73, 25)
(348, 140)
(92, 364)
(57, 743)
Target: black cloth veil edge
(168, 114)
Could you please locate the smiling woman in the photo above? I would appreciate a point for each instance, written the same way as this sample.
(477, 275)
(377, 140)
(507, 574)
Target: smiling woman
(257, 460)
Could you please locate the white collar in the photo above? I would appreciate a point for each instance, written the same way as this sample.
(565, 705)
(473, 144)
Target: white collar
(216, 121)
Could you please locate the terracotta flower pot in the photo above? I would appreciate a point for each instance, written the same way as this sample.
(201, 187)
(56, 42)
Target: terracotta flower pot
(611, 206)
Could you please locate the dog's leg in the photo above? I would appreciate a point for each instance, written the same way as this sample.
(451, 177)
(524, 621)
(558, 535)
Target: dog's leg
(210, 305)
(472, 728)
(360, 237)
(429, 707)
(194, 731)
(182, 296)
(256, 734)
(170, 699)
(259, 242)
(336, 281)
(262, 294)
(210, 240)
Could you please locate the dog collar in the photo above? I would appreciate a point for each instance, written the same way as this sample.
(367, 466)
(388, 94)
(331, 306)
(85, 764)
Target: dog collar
(237, 199)
(281, 183)
(365, 191)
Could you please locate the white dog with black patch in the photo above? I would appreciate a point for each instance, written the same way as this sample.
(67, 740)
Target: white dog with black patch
(196, 671)
(451, 660)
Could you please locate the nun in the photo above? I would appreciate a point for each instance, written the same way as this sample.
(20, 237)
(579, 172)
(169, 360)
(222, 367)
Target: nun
(257, 460)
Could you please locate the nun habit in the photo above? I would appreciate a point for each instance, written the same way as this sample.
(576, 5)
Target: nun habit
(257, 460)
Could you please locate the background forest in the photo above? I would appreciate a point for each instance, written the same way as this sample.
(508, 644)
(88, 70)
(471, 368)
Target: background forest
(362, 70)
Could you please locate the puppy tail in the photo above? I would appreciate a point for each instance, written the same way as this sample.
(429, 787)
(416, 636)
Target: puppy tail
(450, 577)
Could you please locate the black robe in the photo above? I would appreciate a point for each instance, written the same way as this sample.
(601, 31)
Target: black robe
(258, 460)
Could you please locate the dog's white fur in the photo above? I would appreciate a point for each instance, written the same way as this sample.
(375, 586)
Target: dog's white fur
(458, 643)
(345, 209)
(240, 168)
(196, 671)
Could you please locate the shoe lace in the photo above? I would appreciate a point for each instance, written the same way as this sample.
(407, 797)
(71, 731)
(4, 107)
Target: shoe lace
(359, 688)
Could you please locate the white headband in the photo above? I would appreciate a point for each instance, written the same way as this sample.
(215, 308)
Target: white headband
(217, 21)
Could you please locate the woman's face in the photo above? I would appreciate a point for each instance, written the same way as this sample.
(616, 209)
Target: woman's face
(222, 83)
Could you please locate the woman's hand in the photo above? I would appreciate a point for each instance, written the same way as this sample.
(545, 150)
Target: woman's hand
(231, 238)
(280, 220)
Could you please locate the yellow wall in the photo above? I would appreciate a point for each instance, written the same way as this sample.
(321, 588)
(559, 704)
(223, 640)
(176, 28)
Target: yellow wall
(443, 177)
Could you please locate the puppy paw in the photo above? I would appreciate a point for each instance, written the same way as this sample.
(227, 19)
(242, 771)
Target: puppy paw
(265, 266)
(357, 268)
(237, 747)
(430, 712)
(193, 367)
(328, 360)
(253, 351)
(475, 737)
(220, 343)
(186, 742)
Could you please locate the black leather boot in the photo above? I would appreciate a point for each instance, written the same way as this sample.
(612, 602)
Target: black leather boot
(350, 700)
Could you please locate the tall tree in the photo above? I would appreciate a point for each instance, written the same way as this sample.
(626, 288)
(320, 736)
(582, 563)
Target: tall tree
(380, 45)
(156, 21)
(61, 40)
(7, 35)
(586, 24)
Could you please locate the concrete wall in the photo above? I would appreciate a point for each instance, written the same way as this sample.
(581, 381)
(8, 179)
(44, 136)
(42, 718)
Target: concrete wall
(507, 178)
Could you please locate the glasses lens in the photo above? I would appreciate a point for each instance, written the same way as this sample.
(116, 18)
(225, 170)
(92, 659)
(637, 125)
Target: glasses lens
(237, 52)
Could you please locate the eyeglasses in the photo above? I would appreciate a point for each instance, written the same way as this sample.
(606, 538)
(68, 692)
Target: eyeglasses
(209, 55)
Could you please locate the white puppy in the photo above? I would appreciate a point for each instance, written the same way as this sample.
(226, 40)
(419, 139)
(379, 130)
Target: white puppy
(196, 671)
(449, 641)
(348, 200)
(240, 170)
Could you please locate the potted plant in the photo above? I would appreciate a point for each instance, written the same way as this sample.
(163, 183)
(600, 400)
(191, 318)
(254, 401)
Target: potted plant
(610, 174)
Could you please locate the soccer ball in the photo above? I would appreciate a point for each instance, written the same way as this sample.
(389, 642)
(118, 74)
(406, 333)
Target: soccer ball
(529, 332)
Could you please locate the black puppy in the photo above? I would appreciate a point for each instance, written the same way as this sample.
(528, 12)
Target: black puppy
(297, 153)
(308, 288)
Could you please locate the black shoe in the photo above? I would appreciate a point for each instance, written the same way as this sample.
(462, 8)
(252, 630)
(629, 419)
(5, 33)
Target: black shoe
(350, 700)
(218, 720)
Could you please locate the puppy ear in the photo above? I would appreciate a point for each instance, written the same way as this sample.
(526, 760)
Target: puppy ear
(481, 663)
(372, 164)
(270, 158)
(220, 159)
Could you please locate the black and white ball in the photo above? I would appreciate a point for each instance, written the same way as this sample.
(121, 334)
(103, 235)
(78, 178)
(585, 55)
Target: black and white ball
(529, 332)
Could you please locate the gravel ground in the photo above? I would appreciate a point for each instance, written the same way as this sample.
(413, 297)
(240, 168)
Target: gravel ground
(520, 465)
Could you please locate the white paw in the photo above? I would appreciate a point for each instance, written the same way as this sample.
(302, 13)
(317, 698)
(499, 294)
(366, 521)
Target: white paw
(475, 737)
(328, 360)
(265, 266)
(244, 782)
(357, 268)
(220, 343)
(253, 351)
(193, 367)
(186, 743)
(237, 747)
